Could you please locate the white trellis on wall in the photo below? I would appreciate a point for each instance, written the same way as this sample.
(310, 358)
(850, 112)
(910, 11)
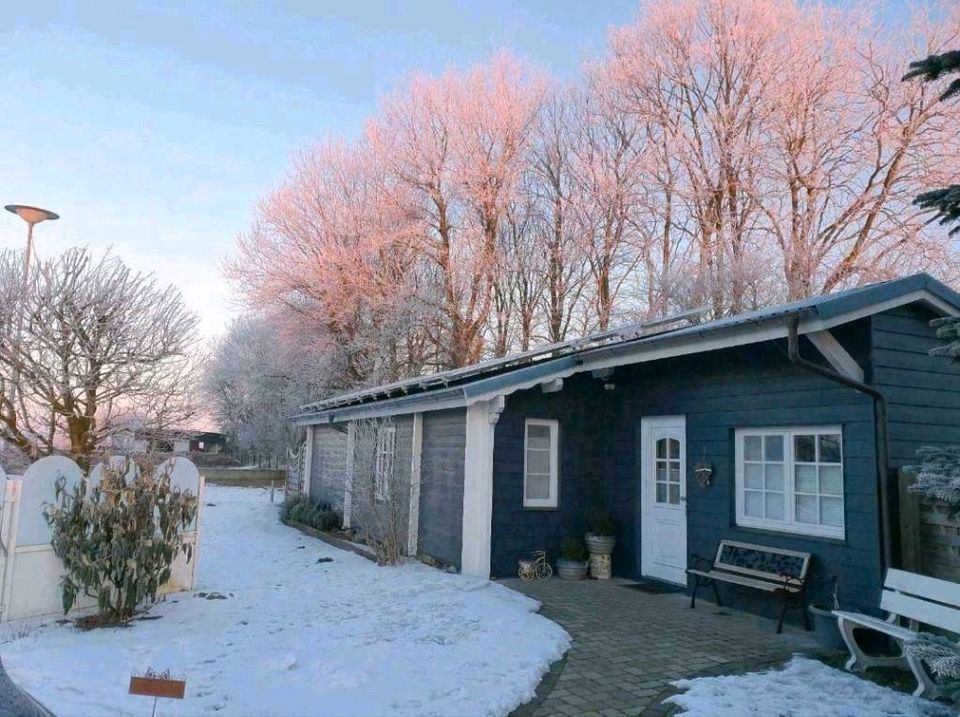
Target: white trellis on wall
(30, 572)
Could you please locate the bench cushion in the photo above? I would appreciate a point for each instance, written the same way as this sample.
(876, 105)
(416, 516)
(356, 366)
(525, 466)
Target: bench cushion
(758, 583)
(875, 623)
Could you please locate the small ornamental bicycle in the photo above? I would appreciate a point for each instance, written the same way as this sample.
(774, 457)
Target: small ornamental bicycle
(536, 567)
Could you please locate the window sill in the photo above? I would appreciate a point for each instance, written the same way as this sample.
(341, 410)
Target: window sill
(795, 534)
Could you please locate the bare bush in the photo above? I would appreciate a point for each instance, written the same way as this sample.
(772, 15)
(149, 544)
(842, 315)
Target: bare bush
(379, 501)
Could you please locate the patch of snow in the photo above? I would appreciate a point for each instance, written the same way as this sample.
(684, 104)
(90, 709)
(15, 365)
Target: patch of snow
(298, 637)
(802, 688)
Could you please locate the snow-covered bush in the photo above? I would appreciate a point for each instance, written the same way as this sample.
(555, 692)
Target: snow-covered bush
(948, 328)
(312, 513)
(119, 538)
(941, 655)
(938, 476)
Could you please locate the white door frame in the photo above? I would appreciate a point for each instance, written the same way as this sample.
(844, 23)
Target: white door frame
(648, 567)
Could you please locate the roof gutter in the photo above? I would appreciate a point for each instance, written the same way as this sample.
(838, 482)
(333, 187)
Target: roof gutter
(880, 427)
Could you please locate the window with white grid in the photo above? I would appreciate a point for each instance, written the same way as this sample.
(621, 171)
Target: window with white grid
(791, 480)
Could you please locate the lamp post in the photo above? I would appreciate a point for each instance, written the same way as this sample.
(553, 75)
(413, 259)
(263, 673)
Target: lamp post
(32, 216)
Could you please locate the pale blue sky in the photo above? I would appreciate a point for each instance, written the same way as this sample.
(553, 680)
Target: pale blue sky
(155, 128)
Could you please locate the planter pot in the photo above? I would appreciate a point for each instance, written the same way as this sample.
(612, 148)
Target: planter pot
(571, 569)
(825, 628)
(600, 544)
(600, 547)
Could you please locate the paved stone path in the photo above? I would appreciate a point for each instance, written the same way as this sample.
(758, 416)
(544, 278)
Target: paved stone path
(629, 645)
(14, 702)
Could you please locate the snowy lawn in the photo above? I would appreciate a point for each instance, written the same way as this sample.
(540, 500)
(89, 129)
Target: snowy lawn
(300, 637)
(803, 688)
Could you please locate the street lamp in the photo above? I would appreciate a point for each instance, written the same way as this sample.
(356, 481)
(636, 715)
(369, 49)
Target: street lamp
(32, 216)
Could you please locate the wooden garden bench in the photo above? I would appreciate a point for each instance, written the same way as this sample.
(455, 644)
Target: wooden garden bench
(911, 598)
(780, 572)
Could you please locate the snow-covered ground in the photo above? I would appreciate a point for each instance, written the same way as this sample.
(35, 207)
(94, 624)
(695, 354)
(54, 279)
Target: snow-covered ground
(803, 688)
(300, 637)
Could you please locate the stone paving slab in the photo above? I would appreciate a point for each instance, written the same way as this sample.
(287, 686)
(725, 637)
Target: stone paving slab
(628, 646)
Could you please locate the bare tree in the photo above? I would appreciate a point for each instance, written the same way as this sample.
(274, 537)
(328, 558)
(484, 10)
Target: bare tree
(98, 345)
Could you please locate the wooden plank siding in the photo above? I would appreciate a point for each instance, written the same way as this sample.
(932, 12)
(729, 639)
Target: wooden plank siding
(923, 399)
(718, 392)
(441, 485)
(922, 391)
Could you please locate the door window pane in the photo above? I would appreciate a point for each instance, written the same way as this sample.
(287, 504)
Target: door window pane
(674, 493)
(752, 448)
(674, 448)
(753, 504)
(753, 475)
(662, 448)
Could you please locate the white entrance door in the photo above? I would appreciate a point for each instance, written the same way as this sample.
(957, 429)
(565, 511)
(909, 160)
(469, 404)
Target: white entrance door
(663, 469)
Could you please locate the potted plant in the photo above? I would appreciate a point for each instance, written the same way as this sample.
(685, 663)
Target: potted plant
(572, 564)
(600, 542)
(825, 622)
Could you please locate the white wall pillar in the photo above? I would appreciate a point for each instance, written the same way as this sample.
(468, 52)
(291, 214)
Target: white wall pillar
(413, 521)
(478, 486)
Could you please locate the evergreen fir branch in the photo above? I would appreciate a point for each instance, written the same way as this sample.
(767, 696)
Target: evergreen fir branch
(936, 66)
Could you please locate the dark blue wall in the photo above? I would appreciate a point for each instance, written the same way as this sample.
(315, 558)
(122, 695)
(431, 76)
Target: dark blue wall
(923, 391)
(718, 392)
(440, 533)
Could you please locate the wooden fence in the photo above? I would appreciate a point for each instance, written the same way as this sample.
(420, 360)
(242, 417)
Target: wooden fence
(245, 476)
(930, 539)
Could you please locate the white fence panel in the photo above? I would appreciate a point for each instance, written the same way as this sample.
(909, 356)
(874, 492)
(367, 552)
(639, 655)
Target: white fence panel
(29, 569)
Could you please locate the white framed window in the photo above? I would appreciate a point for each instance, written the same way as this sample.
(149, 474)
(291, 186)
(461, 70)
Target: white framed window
(540, 463)
(386, 445)
(791, 479)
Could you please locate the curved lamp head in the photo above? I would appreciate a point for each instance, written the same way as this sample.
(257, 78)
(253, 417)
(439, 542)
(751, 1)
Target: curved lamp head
(31, 215)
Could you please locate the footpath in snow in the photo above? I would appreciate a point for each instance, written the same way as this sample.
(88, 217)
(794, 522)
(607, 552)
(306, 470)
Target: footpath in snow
(295, 636)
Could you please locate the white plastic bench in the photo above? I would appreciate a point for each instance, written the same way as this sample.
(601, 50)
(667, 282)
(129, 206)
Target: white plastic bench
(911, 598)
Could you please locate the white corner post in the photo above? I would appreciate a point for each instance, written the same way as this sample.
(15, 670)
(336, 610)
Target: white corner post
(307, 462)
(482, 420)
(413, 521)
(348, 477)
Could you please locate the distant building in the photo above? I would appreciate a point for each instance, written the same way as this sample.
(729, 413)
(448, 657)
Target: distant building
(176, 441)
